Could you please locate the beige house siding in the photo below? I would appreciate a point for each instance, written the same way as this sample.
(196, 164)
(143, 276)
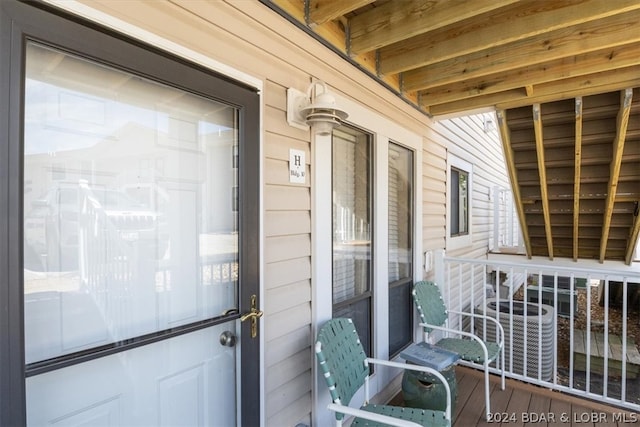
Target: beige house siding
(248, 37)
(465, 138)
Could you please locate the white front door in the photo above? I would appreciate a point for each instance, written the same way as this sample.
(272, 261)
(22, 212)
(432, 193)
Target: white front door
(133, 235)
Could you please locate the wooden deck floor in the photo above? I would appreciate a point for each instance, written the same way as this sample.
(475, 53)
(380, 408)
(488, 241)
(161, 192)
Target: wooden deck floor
(522, 404)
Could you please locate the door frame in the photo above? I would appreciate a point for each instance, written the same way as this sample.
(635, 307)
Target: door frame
(42, 22)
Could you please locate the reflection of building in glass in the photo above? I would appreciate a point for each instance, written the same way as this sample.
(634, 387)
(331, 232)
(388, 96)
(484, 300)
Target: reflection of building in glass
(130, 218)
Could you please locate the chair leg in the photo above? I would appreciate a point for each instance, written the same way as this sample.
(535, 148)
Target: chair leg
(502, 366)
(486, 391)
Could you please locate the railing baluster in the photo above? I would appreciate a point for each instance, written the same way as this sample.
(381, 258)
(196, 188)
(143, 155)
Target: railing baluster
(588, 334)
(515, 278)
(510, 319)
(525, 345)
(555, 330)
(571, 339)
(459, 306)
(605, 372)
(623, 395)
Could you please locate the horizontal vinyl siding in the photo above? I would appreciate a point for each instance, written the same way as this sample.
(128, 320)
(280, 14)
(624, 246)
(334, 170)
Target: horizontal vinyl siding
(287, 223)
(434, 163)
(287, 274)
(465, 138)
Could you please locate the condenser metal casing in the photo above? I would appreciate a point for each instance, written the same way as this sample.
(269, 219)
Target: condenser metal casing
(538, 350)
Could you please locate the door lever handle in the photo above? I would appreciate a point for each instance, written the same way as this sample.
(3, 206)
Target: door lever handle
(254, 315)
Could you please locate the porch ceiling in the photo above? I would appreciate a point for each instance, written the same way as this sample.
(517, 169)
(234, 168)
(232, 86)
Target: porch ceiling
(563, 76)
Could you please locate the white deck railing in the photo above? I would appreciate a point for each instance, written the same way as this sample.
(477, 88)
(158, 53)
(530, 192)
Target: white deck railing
(570, 338)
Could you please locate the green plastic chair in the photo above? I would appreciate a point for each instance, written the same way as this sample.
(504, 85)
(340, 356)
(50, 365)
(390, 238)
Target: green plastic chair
(345, 367)
(471, 348)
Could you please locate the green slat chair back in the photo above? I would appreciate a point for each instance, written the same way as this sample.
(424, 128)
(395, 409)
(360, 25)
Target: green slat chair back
(429, 303)
(342, 359)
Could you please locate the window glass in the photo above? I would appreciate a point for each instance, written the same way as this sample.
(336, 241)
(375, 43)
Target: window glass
(459, 202)
(129, 223)
(400, 232)
(352, 228)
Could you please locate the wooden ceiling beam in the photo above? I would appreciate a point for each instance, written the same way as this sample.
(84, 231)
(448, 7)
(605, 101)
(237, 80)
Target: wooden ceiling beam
(616, 161)
(576, 179)
(542, 172)
(322, 11)
(580, 39)
(553, 91)
(513, 176)
(389, 23)
(533, 19)
(580, 65)
(633, 239)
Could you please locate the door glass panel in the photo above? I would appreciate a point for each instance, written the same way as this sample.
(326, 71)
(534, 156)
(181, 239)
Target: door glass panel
(130, 210)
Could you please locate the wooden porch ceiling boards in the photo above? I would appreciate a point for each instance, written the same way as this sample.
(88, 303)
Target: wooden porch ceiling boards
(578, 192)
(455, 57)
(450, 56)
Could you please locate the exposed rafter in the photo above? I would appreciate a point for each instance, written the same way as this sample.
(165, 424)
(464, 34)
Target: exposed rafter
(530, 77)
(580, 39)
(513, 175)
(542, 171)
(534, 19)
(389, 23)
(576, 177)
(450, 56)
(616, 161)
(553, 91)
(322, 11)
(633, 237)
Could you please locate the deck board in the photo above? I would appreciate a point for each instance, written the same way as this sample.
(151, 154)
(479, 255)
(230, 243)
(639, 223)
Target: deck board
(561, 410)
(471, 411)
(600, 350)
(538, 411)
(499, 402)
(518, 404)
(558, 408)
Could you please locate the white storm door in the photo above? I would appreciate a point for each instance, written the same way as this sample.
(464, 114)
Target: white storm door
(131, 248)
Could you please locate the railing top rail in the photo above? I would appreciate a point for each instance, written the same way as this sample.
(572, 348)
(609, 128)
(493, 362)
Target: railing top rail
(578, 271)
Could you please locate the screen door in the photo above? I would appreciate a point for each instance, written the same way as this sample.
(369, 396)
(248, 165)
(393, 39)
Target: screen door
(132, 242)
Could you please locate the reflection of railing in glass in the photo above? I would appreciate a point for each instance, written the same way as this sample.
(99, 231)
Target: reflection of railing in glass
(348, 227)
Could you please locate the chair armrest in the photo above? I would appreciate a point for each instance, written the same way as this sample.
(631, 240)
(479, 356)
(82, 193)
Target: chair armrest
(485, 317)
(360, 413)
(419, 368)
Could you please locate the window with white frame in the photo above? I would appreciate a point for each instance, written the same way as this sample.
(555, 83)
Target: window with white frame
(367, 232)
(459, 191)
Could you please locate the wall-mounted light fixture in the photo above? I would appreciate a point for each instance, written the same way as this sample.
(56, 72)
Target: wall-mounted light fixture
(316, 110)
(488, 123)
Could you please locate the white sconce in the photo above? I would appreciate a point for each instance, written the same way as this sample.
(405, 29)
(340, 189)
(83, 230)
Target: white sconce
(316, 110)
